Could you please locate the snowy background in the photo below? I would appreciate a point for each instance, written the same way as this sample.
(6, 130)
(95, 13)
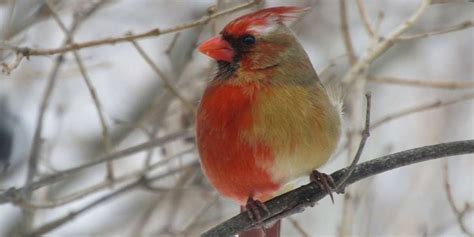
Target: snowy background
(138, 107)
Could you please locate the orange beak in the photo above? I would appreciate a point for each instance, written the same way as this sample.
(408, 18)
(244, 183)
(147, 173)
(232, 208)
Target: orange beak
(218, 49)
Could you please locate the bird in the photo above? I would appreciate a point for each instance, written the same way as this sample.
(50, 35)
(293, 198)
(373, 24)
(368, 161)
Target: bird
(265, 119)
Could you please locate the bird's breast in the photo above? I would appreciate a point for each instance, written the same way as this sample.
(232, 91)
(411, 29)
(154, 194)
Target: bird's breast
(254, 139)
(229, 160)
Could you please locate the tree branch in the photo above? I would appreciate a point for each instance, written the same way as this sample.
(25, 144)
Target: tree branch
(10, 193)
(365, 18)
(166, 81)
(365, 134)
(421, 107)
(37, 143)
(452, 204)
(52, 225)
(383, 45)
(128, 37)
(345, 32)
(461, 26)
(307, 195)
(92, 91)
(449, 85)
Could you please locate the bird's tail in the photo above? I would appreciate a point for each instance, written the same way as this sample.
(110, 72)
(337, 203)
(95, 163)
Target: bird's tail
(272, 231)
(331, 78)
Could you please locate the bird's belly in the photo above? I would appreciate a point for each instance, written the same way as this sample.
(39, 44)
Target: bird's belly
(231, 162)
(298, 162)
(232, 166)
(302, 129)
(251, 144)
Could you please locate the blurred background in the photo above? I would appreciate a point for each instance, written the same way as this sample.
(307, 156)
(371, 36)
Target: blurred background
(134, 101)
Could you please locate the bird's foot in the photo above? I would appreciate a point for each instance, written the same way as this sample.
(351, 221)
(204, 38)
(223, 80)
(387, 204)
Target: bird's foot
(254, 208)
(324, 182)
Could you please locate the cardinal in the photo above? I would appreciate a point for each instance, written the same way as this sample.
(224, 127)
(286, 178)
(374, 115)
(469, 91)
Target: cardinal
(265, 119)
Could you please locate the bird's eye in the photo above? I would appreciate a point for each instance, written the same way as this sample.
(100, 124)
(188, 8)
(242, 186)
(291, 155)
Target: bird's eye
(248, 40)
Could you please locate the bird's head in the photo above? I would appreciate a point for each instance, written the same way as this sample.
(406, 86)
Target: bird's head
(255, 41)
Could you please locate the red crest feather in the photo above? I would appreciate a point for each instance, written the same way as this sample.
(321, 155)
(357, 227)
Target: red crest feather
(263, 17)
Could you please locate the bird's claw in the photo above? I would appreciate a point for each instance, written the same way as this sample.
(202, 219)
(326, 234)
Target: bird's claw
(253, 208)
(324, 182)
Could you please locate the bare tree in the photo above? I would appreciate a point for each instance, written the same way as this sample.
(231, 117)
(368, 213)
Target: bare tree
(106, 93)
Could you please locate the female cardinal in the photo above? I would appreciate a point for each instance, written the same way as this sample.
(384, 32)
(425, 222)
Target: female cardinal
(265, 119)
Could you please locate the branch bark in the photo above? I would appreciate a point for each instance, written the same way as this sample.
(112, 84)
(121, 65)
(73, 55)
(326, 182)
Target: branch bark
(127, 37)
(448, 85)
(380, 47)
(10, 193)
(307, 195)
(345, 32)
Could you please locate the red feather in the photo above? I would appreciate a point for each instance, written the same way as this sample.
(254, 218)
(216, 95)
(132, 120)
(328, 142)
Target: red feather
(241, 25)
(225, 112)
(244, 142)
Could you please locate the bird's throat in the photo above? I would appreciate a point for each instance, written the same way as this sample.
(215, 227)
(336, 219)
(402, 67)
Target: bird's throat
(225, 70)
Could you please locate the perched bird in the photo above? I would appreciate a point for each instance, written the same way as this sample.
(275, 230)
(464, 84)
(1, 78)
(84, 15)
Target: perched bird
(265, 119)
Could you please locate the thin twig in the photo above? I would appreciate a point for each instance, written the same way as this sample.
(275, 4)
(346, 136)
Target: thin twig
(365, 18)
(129, 37)
(378, 23)
(461, 26)
(52, 225)
(298, 227)
(441, 228)
(92, 91)
(421, 107)
(422, 83)
(53, 178)
(36, 145)
(345, 32)
(449, 194)
(8, 68)
(138, 230)
(18, 200)
(363, 140)
(382, 46)
(38, 142)
(149, 155)
(450, 1)
(183, 178)
(172, 44)
(307, 195)
(204, 209)
(167, 82)
(100, 112)
(176, 200)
